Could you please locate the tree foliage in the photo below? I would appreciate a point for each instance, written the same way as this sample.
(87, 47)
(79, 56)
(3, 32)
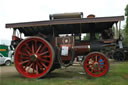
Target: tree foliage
(87, 36)
(126, 10)
(126, 14)
(125, 33)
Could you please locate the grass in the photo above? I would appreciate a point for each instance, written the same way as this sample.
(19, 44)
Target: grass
(117, 75)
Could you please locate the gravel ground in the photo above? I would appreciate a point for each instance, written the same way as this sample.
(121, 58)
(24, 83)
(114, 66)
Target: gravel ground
(7, 69)
(10, 71)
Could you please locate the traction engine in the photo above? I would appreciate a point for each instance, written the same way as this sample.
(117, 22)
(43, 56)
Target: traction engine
(57, 42)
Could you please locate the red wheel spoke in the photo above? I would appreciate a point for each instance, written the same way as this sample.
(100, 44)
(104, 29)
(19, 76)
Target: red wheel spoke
(36, 69)
(27, 64)
(38, 49)
(43, 48)
(92, 58)
(44, 65)
(45, 56)
(24, 62)
(33, 48)
(27, 52)
(40, 66)
(102, 69)
(99, 58)
(96, 58)
(22, 53)
(43, 53)
(35, 44)
(92, 70)
(28, 48)
(33, 68)
(95, 71)
(29, 67)
(89, 67)
(103, 65)
(24, 57)
(44, 60)
(98, 69)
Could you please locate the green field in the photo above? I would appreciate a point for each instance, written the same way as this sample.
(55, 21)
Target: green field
(74, 75)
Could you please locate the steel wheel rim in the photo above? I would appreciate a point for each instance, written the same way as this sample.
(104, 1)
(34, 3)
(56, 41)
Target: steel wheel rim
(97, 68)
(34, 57)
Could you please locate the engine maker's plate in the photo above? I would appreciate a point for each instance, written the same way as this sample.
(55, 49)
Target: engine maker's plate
(65, 40)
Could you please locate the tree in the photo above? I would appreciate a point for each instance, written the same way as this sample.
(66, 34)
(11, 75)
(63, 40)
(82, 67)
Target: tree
(126, 14)
(87, 36)
(126, 26)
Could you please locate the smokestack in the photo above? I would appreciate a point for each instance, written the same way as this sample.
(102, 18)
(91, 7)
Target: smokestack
(91, 16)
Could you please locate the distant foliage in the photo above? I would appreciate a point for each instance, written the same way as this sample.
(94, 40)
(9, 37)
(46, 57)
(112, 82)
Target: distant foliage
(126, 26)
(126, 14)
(87, 36)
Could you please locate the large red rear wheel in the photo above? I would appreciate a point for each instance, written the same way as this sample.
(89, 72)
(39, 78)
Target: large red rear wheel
(34, 57)
(96, 64)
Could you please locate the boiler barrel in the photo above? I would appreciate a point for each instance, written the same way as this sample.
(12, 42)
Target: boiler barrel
(86, 47)
(81, 49)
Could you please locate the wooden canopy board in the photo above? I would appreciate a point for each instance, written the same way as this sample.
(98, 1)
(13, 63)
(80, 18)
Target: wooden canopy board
(66, 26)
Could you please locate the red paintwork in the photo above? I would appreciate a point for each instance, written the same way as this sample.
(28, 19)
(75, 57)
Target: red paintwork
(90, 68)
(81, 48)
(37, 66)
(15, 38)
(69, 57)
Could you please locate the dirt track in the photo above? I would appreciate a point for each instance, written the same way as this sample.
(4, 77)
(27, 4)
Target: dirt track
(11, 72)
(7, 69)
(8, 72)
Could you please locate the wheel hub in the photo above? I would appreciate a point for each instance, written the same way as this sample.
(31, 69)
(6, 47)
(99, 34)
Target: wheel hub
(34, 57)
(96, 64)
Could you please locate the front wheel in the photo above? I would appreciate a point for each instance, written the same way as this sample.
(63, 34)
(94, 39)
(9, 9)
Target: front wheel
(96, 64)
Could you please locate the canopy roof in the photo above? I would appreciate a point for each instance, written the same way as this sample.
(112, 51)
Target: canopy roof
(66, 26)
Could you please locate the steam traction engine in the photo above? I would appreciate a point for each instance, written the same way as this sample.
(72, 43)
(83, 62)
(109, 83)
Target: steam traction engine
(54, 43)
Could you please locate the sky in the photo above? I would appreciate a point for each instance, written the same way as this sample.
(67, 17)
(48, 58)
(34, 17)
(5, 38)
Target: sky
(13, 11)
